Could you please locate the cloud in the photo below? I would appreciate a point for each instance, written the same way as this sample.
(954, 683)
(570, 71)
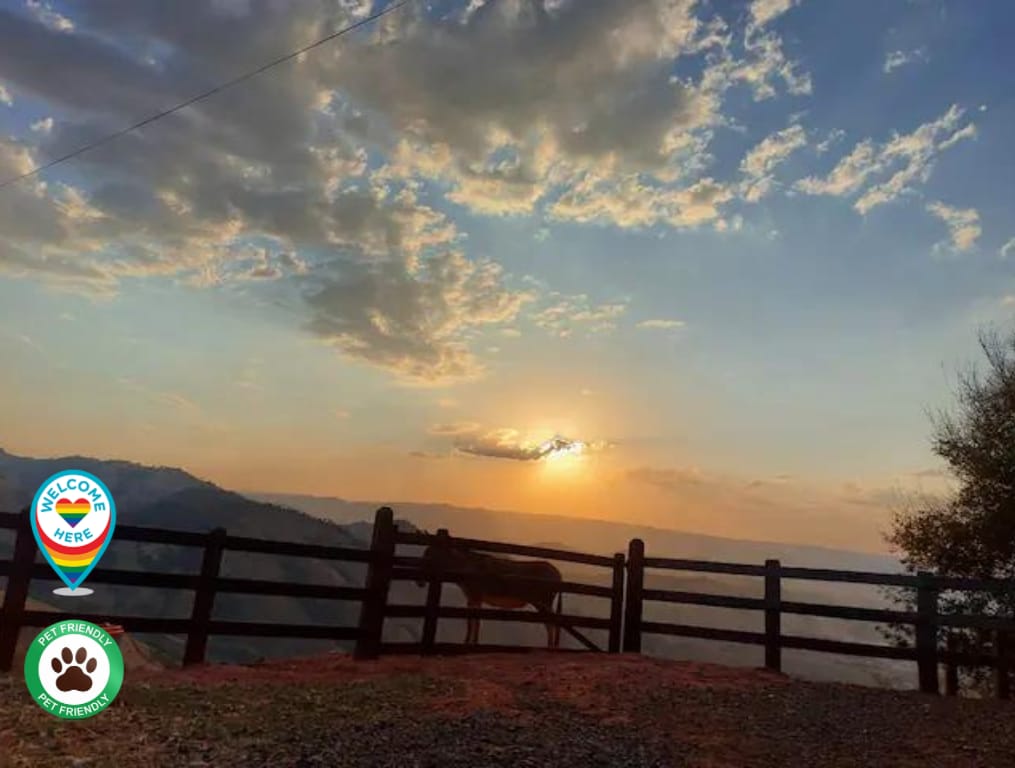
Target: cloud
(963, 225)
(44, 12)
(833, 137)
(896, 59)
(455, 428)
(669, 479)
(776, 506)
(43, 126)
(173, 400)
(411, 321)
(664, 325)
(506, 140)
(333, 182)
(901, 163)
(766, 62)
(510, 444)
(1008, 249)
(761, 160)
(631, 203)
(764, 11)
(566, 314)
(500, 132)
(5, 96)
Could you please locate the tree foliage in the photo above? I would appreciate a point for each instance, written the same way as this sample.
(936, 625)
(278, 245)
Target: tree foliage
(971, 532)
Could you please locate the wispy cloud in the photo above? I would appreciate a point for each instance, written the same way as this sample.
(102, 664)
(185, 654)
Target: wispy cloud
(764, 11)
(896, 59)
(902, 162)
(759, 163)
(833, 138)
(566, 314)
(1008, 249)
(43, 11)
(661, 324)
(963, 226)
(454, 428)
(43, 126)
(173, 400)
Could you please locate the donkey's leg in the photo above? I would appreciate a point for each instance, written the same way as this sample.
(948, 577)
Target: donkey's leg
(556, 627)
(551, 629)
(472, 624)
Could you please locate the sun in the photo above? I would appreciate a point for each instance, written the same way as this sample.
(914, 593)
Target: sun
(562, 457)
(559, 449)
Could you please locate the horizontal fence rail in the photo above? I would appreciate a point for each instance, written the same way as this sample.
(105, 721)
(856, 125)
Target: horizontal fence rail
(22, 569)
(623, 586)
(926, 620)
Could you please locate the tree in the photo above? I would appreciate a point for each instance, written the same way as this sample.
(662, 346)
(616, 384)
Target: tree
(971, 533)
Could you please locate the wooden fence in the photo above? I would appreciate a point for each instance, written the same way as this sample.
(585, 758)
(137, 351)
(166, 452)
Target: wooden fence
(624, 622)
(383, 568)
(926, 620)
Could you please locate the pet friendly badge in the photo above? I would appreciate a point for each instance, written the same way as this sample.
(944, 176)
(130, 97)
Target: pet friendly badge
(73, 517)
(73, 669)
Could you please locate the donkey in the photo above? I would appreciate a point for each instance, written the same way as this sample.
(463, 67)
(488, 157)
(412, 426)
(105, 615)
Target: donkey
(495, 581)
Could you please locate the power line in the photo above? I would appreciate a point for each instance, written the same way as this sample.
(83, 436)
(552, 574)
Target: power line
(205, 95)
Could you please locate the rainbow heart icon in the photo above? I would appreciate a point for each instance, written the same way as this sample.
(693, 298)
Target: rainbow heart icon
(73, 518)
(73, 512)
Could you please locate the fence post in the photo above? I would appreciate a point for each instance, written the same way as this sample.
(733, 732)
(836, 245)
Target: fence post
(617, 603)
(773, 616)
(433, 595)
(951, 667)
(204, 598)
(13, 609)
(926, 631)
(1001, 664)
(635, 584)
(371, 618)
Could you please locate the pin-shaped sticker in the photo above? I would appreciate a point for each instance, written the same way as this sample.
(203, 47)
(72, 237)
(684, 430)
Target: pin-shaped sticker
(73, 517)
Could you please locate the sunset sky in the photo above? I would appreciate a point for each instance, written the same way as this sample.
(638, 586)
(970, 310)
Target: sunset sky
(736, 249)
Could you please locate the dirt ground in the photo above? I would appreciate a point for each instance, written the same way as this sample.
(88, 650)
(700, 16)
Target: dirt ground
(541, 709)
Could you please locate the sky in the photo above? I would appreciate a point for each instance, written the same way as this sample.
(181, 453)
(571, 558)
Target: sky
(699, 265)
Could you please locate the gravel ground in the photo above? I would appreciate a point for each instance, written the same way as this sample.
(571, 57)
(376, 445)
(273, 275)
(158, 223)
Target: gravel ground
(540, 710)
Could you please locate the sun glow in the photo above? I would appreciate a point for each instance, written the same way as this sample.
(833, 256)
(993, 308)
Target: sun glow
(560, 448)
(563, 458)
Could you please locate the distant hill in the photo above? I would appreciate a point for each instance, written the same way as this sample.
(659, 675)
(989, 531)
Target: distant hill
(597, 536)
(166, 497)
(133, 485)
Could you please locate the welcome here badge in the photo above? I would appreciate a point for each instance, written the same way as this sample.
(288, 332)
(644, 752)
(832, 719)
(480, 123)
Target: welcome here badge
(73, 517)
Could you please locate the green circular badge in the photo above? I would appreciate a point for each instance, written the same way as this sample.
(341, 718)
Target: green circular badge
(74, 669)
